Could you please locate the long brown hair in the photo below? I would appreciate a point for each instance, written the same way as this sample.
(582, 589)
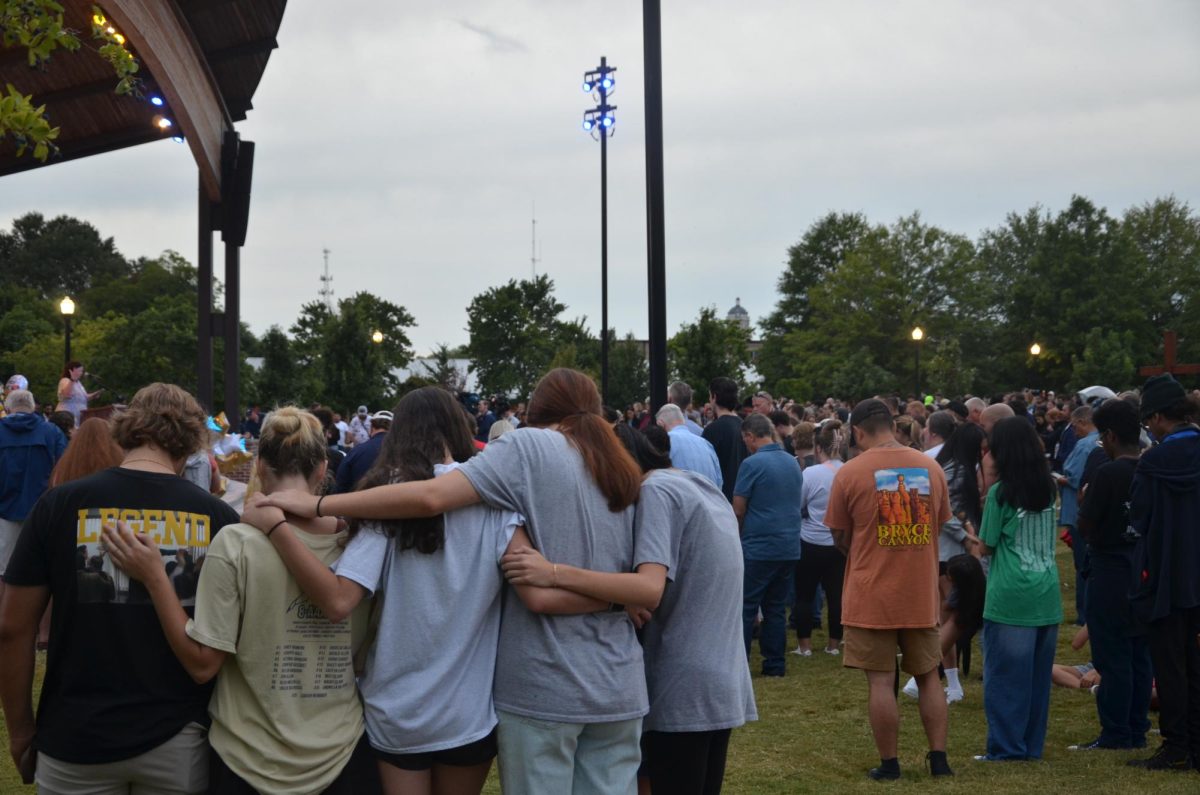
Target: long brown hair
(427, 424)
(570, 399)
(91, 450)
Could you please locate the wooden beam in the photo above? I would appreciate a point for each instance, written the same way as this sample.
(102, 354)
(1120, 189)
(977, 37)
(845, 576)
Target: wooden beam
(256, 47)
(159, 33)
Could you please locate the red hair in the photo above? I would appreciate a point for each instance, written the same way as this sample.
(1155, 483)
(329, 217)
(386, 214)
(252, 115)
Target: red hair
(91, 450)
(569, 399)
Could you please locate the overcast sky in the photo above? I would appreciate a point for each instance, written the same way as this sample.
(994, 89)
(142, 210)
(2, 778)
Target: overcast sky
(412, 138)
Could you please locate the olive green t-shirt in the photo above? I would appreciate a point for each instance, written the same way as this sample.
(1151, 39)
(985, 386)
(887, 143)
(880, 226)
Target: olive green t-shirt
(1022, 588)
(286, 714)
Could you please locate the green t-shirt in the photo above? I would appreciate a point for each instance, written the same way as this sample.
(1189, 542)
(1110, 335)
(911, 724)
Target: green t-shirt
(1022, 587)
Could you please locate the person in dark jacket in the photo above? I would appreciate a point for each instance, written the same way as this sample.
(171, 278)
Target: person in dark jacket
(359, 461)
(29, 448)
(1165, 511)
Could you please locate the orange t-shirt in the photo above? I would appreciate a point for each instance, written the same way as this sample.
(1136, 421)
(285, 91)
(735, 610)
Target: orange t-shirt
(893, 501)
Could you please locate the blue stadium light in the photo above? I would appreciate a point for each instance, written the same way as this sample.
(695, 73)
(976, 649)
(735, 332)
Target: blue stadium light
(588, 124)
(587, 87)
(607, 121)
(156, 101)
(606, 83)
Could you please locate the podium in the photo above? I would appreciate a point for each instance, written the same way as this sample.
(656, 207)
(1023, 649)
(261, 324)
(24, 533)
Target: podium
(103, 413)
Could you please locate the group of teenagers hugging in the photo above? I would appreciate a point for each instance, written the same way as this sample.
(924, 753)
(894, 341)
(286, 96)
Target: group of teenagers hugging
(564, 600)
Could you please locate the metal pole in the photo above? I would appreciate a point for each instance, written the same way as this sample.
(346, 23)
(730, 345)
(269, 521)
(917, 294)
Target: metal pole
(918, 370)
(67, 318)
(655, 214)
(603, 241)
(232, 330)
(204, 281)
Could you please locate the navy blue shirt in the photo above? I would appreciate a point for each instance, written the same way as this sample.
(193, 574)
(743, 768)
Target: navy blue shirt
(357, 463)
(770, 481)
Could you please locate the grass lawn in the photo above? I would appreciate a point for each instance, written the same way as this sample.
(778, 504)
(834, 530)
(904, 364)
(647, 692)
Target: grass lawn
(813, 736)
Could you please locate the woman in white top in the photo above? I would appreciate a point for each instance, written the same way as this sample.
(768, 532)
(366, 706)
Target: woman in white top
(72, 397)
(821, 563)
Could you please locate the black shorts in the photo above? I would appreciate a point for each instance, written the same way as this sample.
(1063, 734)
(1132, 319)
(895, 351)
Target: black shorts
(468, 755)
(679, 763)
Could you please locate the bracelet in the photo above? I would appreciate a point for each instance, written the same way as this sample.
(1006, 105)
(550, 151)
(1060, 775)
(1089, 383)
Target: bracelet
(272, 530)
(319, 504)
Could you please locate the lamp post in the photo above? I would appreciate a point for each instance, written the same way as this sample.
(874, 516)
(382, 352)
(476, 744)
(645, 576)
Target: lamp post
(1035, 350)
(377, 336)
(599, 121)
(918, 335)
(67, 307)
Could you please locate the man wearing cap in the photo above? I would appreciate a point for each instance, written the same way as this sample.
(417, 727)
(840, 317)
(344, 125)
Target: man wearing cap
(360, 427)
(29, 448)
(1165, 511)
(886, 508)
(362, 457)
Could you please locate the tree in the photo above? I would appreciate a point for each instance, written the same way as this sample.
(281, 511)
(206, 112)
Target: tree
(278, 381)
(1106, 360)
(515, 334)
(819, 252)
(341, 363)
(62, 256)
(443, 372)
(1165, 235)
(708, 348)
(628, 373)
(37, 26)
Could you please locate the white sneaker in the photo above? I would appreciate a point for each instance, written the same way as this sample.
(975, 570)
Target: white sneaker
(833, 652)
(953, 695)
(799, 652)
(910, 689)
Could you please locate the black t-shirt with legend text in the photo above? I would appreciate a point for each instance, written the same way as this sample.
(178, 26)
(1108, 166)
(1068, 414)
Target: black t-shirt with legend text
(113, 687)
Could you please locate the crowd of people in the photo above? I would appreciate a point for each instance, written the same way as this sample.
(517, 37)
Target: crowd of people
(575, 591)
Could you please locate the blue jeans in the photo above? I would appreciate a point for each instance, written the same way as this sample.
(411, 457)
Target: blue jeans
(1123, 659)
(1016, 688)
(766, 584)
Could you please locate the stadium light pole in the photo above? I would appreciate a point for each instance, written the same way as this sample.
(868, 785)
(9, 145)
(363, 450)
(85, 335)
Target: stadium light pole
(601, 123)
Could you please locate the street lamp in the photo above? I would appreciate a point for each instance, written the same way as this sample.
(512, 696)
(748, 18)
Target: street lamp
(377, 336)
(67, 307)
(918, 335)
(600, 123)
(1035, 350)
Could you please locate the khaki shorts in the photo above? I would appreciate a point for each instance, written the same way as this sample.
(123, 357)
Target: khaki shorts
(875, 649)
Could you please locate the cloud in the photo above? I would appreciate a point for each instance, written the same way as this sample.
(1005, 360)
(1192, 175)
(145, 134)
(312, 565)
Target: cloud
(496, 41)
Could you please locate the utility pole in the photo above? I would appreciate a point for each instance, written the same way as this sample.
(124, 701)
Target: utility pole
(326, 291)
(600, 121)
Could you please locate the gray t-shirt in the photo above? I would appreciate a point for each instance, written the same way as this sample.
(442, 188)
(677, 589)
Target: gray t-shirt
(696, 668)
(571, 669)
(428, 680)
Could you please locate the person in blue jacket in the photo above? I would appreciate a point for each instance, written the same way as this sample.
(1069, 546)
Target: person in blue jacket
(29, 448)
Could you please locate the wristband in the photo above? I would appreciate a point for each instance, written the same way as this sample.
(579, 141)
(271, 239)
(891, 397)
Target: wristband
(319, 504)
(272, 530)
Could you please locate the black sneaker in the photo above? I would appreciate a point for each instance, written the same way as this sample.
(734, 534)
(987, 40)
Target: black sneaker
(883, 774)
(937, 765)
(1165, 758)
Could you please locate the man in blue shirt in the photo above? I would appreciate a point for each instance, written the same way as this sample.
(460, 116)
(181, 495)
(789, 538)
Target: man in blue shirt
(680, 394)
(29, 448)
(766, 499)
(1071, 482)
(689, 451)
(360, 460)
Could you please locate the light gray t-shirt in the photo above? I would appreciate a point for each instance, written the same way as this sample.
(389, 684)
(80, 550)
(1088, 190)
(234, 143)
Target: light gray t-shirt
(696, 668)
(570, 669)
(428, 680)
(814, 499)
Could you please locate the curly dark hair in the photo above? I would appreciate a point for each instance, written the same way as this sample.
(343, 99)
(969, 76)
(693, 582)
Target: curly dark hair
(165, 416)
(427, 424)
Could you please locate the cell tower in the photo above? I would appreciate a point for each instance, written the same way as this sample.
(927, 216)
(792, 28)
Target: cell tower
(326, 291)
(533, 246)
